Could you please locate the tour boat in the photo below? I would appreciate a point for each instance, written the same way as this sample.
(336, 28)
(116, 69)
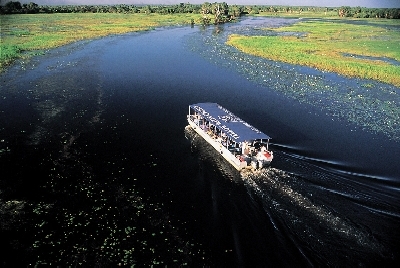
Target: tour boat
(241, 144)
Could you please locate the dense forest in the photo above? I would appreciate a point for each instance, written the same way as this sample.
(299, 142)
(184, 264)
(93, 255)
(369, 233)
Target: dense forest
(221, 12)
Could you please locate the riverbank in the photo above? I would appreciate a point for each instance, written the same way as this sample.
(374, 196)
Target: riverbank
(24, 35)
(354, 48)
(346, 46)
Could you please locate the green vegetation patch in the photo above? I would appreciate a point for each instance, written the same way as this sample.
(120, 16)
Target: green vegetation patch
(31, 32)
(331, 46)
(9, 52)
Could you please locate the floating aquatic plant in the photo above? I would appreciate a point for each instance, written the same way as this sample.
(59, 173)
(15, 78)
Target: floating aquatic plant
(342, 98)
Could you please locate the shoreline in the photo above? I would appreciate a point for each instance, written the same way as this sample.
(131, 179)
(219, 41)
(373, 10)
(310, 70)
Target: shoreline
(325, 46)
(28, 35)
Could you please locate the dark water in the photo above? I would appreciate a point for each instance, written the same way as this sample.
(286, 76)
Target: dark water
(96, 168)
(384, 59)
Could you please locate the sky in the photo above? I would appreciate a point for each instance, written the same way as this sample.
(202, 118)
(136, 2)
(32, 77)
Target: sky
(320, 3)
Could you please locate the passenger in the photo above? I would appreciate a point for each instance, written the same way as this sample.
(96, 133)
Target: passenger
(245, 148)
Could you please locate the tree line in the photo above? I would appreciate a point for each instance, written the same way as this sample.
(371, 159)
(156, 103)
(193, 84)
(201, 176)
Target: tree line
(15, 7)
(220, 12)
(362, 12)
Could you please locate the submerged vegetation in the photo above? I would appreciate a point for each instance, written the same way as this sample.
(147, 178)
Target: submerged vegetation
(354, 50)
(370, 104)
(330, 46)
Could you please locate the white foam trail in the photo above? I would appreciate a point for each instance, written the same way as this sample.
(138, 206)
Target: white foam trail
(269, 184)
(273, 178)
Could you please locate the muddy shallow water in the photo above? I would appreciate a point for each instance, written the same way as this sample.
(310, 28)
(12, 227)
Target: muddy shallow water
(97, 170)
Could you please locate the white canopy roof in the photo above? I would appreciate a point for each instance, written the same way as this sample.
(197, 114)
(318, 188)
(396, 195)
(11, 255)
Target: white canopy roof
(237, 129)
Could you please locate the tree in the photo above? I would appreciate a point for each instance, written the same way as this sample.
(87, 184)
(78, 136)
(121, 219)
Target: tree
(219, 10)
(345, 11)
(30, 8)
(235, 11)
(147, 10)
(255, 10)
(13, 7)
(205, 10)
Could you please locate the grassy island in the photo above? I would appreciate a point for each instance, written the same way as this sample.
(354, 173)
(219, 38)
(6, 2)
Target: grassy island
(356, 50)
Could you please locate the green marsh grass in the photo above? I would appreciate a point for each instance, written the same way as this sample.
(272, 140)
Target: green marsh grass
(324, 46)
(296, 14)
(32, 32)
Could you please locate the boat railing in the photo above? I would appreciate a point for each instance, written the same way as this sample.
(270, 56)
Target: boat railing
(235, 159)
(234, 152)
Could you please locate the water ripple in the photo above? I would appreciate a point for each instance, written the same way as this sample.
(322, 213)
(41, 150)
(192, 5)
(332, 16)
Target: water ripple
(310, 222)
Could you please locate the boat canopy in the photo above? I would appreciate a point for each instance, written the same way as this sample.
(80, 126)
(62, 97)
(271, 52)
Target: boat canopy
(234, 127)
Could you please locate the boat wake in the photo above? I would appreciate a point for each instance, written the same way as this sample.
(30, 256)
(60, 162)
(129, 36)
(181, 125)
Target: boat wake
(315, 225)
(302, 215)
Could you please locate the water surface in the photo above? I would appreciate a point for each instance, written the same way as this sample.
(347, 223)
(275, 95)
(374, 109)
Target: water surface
(98, 169)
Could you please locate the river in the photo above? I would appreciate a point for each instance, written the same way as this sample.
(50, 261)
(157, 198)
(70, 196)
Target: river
(97, 167)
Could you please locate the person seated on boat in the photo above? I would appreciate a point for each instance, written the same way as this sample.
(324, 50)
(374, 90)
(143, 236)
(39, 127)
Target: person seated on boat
(231, 145)
(261, 156)
(245, 148)
(241, 158)
(212, 128)
(264, 153)
(225, 141)
(256, 145)
(238, 150)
